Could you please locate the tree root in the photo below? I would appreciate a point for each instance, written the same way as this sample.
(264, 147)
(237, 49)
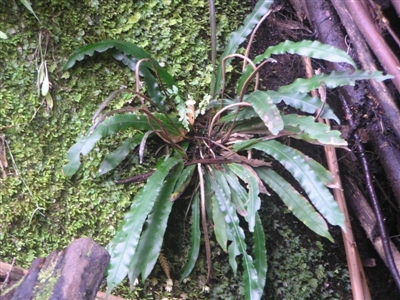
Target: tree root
(329, 31)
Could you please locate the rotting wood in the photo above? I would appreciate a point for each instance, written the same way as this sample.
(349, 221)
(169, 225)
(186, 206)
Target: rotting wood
(73, 273)
(16, 274)
(367, 218)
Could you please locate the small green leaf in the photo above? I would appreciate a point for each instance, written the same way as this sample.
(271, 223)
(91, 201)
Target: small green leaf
(194, 238)
(45, 84)
(27, 4)
(296, 203)
(3, 36)
(83, 145)
(49, 101)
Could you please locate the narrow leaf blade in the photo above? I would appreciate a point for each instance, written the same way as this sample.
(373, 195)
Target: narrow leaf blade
(254, 202)
(113, 159)
(266, 110)
(295, 163)
(303, 102)
(260, 253)
(331, 80)
(312, 49)
(219, 226)
(239, 36)
(123, 246)
(296, 203)
(249, 272)
(157, 224)
(318, 131)
(194, 238)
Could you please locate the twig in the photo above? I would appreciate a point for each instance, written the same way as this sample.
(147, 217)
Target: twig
(8, 275)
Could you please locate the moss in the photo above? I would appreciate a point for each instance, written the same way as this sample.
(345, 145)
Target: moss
(46, 281)
(301, 265)
(41, 210)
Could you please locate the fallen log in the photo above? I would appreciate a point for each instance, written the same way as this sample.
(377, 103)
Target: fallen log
(73, 273)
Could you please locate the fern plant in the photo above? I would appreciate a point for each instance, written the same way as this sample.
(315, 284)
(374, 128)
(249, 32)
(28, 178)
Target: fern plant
(217, 144)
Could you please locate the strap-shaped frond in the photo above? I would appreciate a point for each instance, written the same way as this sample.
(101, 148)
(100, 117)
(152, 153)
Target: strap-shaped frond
(315, 130)
(304, 102)
(153, 89)
(151, 240)
(312, 49)
(297, 204)
(239, 194)
(253, 203)
(127, 48)
(116, 157)
(194, 238)
(260, 253)
(295, 99)
(183, 182)
(219, 223)
(296, 164)
(111, 126)
(239, 37)
(250, 276)
(266, 110)
(123, 246)
(332, 80)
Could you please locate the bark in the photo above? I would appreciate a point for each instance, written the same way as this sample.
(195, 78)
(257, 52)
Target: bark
(73, 273)
(367, 219)
(375, 40)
